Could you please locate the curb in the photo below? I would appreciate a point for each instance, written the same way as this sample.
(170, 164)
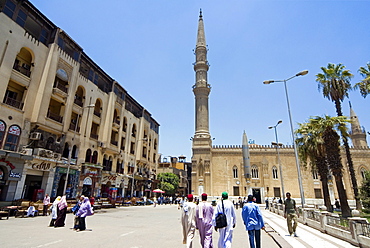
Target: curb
(280, 241)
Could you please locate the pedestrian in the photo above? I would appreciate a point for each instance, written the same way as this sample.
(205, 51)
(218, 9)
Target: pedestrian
(45, 203)
(291, 214)
(188, 221)
(31, 210)
(54, 211)
(62, 212)
(204, 216)
(337, 205)
(92, 201)
(267, 203)
(280, 201)
(253, 221)
(226, 233)
(74, 211)
(84, 210)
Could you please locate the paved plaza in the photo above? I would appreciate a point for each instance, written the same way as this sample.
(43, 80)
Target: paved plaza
(147, 227)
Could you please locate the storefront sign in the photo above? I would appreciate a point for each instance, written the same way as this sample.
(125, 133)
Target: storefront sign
(64, 171)
(44, 166)
(7, 163)
(91, 171)
(15, 174)
(106, 178)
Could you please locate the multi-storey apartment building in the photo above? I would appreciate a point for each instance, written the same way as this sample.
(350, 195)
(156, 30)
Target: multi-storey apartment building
(60, 112)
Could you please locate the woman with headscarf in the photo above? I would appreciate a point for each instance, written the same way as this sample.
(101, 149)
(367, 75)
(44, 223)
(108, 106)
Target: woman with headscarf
(62, 211)
(54, 210)
(85, 210)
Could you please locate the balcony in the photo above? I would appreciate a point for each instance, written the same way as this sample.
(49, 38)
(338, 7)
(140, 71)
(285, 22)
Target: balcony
(94, 136)
(73, 127)
(13, 102)
(24, 71)
(98, 114)
(78, 101)
(55, 117)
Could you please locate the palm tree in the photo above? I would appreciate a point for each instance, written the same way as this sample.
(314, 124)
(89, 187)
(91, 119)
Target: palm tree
(332, 149)
(364, 85)
(335, 83)
(311, 147)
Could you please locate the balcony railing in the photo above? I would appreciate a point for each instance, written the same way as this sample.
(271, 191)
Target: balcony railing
(61, 87)
(98, 114)
(55, 117)
(14, 103)
(73, 127)
(115, 143)
(22, 70)
(78, 101)
(116, 121)
(94, 136)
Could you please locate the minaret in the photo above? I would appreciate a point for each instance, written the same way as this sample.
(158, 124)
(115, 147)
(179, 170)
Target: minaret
(358, 135)
(201, 88)
(202, 143)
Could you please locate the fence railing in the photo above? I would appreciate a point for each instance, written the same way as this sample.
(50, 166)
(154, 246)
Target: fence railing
(365, 229)
(339, 222)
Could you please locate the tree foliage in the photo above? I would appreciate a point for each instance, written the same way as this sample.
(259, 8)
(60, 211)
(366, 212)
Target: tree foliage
(168, 182)
(364, 85)
(365, 191)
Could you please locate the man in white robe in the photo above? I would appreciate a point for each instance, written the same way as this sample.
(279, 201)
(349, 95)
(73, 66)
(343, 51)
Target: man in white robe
(188, 221)
(226, 233)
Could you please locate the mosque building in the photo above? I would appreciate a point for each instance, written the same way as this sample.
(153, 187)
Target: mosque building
(219, 168)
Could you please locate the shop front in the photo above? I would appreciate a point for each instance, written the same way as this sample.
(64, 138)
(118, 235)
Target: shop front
(90, 180)
(112, 185)
(39, 175)
(11, 174)
(60, 179)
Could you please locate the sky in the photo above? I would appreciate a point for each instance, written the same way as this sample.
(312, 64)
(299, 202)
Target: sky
(147, 46)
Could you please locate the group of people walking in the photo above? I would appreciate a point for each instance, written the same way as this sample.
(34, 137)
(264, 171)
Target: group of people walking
(81, 210)
(203, 217)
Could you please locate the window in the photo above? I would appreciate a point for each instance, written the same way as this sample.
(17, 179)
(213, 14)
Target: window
(254, 170)
(2, 132)
(318, 194)
(44, 36)
(235, 171)
(315, 175)
(274, 172)
(21, 18)
(124, 125)
(236, 191)
(277, 192)
(9, 8)
(12, 138)
(362, 170)
(133, 133)
(132, 148)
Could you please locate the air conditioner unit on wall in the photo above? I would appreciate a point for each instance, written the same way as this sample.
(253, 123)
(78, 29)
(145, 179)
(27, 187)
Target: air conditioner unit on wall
(35, 136)
(43, 153)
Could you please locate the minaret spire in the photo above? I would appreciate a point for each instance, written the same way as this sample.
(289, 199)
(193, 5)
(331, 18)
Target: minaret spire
(358, 135)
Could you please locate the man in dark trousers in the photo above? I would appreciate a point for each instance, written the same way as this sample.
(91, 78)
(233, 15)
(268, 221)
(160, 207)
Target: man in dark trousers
(291, 214)
(253, 221)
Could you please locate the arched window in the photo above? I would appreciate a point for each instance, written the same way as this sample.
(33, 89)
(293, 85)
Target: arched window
(133, 133)
(98, 108)
(74, 152)
(2, 132)
(274, 172)
(12, 138)
(61, 80)
(254, 170)
(23, 62)
(235, 171)
(88, 157)
(124, 124)
(315, 174)
(363, 172)
(95, 157)
(79, 96)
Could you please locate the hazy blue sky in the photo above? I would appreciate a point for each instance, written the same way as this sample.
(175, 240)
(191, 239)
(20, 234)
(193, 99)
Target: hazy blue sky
(146, 45)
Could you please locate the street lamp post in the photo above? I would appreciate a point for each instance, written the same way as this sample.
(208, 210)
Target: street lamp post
(302, 73)
(278, 153)
(71, 148)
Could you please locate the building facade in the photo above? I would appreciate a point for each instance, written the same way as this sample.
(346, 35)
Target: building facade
(65, 125)
(220, 168)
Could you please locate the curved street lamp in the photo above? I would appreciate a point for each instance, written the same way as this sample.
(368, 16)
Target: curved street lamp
(277, 145)
(302, 73)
